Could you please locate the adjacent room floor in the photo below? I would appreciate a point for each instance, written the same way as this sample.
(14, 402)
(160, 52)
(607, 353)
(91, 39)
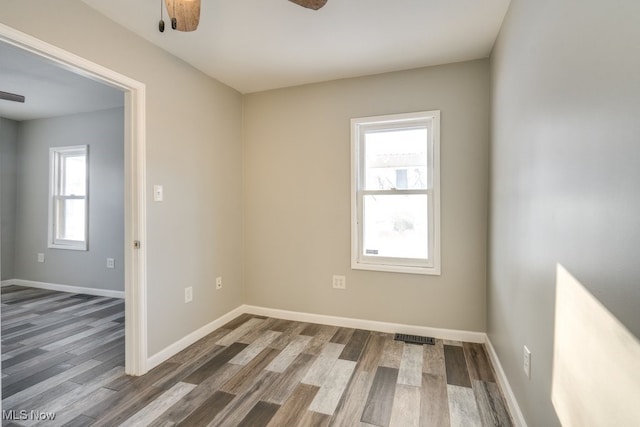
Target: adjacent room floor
(64, 353)
(58, 349)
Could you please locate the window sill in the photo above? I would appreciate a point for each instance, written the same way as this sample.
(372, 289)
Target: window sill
(431, 271)
(78, 247)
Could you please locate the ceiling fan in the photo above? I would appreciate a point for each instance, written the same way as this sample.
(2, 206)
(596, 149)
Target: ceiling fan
(185, 14)
(11, 97)
(310, 4)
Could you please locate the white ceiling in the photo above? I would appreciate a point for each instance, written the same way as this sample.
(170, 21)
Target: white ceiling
(49, 89)
(255, 45)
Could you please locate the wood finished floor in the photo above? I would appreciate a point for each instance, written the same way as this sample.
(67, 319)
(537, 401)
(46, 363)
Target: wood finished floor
(64, 353)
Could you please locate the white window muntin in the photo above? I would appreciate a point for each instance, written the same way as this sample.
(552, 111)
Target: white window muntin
(62, 193)
(360, 127)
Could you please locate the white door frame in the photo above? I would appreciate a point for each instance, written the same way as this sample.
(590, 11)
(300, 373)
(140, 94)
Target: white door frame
(135, 280)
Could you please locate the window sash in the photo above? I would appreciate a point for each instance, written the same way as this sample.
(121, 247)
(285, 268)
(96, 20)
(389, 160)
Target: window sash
(391, 261)
(59, 218)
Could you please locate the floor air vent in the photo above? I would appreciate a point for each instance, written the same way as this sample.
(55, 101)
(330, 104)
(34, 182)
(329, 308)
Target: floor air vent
(415, 339)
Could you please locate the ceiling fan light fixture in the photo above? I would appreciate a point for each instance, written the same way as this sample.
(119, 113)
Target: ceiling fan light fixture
(185, 14)
(310, 4)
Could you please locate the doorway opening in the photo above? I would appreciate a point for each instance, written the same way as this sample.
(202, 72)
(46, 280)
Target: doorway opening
(134, 184)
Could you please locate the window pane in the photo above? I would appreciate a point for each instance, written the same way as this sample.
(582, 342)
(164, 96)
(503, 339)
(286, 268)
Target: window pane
(396, 159)
(396, 226)
(71, 219)
(74, 179)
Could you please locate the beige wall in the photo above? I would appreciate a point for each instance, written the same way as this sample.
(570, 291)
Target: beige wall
(565, 173)
(193, 148)
(297, 207)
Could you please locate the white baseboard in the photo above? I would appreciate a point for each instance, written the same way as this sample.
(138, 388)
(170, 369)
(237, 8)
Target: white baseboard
(514, 408)
(64, 288)
(370, 325)
(185, 342)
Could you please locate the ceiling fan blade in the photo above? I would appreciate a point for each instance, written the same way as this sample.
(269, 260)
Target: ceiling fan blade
(11, 97)
(310, 4)
(186, 14)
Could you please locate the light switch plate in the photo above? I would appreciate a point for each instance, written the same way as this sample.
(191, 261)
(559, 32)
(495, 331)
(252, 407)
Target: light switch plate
(158, 193)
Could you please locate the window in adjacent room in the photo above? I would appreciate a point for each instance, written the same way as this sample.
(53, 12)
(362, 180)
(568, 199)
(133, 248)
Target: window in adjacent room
(395, 193)
(68, 197)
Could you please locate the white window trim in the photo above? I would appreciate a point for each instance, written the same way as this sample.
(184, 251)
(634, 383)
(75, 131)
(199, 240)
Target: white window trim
(360, 262)
(53, 243)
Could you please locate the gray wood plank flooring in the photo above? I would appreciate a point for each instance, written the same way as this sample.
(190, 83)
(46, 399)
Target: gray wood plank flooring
(377, 410)
(63, 354)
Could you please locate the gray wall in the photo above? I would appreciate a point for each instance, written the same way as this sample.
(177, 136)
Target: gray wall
(194, 149)
(103, 132)
(8, 147)
(297, 197)
(565, 173)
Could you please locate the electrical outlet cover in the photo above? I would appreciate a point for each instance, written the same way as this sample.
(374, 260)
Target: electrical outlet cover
(339, 282)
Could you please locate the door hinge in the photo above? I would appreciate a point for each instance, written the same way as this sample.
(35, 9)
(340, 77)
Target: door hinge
(136, 244)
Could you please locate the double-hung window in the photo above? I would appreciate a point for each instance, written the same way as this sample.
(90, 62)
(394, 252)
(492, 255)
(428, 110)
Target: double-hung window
(395, 193)
(68, 197)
